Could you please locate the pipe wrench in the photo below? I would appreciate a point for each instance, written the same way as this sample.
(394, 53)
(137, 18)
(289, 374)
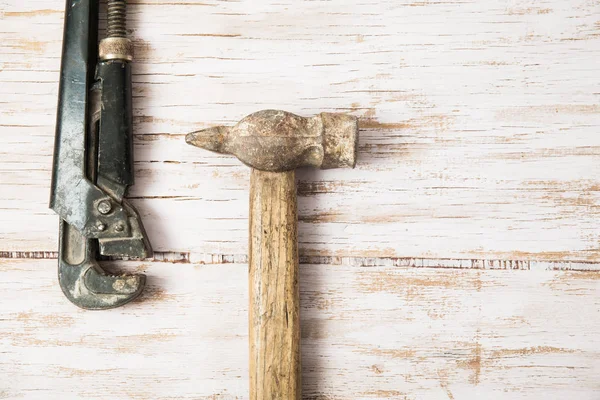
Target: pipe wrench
(93, 159)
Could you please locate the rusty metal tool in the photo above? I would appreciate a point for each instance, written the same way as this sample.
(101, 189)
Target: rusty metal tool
(274, 143)
(93, 159)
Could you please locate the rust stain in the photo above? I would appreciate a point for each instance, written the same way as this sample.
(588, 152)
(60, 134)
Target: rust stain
(32, 13)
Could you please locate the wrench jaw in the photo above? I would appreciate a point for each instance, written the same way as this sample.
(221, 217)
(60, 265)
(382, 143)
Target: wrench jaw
(135, 245)
(89, 287)
(84, 282)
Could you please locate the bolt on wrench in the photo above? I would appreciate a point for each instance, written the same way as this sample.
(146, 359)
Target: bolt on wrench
(93, 159)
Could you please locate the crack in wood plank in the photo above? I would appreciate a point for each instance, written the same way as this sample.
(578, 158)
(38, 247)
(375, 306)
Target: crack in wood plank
(406, 262)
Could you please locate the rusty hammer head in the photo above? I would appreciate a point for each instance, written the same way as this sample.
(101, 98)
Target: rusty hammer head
(278, 141)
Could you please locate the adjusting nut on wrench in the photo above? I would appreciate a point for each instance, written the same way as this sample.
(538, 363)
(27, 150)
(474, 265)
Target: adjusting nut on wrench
(116, 45)
(93, 159)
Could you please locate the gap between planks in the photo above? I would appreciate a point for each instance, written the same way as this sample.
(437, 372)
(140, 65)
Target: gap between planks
(405, 262)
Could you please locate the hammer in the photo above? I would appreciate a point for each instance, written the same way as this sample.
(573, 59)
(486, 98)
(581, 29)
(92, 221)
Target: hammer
(274, 143)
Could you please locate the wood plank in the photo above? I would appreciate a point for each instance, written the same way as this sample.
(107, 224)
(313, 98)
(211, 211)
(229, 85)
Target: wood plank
(478, 166)
(367, 333)
(478, 119)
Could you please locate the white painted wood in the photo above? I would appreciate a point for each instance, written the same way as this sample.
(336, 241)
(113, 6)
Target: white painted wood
(479, 120)
(367, 333)
(478, 181)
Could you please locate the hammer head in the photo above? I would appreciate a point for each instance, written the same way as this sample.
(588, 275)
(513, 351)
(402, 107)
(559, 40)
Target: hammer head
(277, 141)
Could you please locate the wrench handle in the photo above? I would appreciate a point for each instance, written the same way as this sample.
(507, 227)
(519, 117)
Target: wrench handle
(275, 369)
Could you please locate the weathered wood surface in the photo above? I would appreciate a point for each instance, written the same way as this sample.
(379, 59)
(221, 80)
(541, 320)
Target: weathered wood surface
(479, 152)
(479, 119)
(368, 333)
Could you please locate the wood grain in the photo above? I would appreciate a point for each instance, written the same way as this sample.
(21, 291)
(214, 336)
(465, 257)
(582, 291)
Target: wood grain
(275, 371)
(478, 120)
(432, 271)
(367, 333)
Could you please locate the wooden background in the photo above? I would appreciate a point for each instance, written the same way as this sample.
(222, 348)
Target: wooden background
(460, 260)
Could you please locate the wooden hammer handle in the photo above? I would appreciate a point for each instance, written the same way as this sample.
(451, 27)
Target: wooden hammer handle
(275, 371)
